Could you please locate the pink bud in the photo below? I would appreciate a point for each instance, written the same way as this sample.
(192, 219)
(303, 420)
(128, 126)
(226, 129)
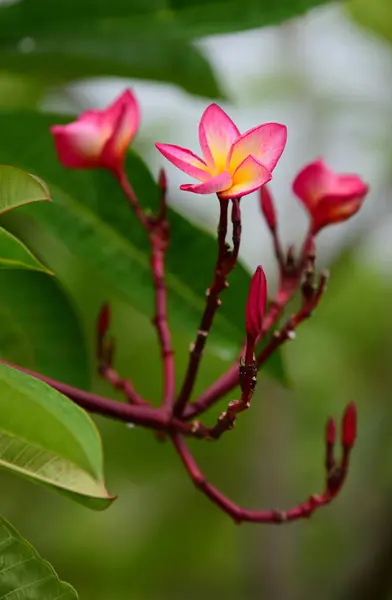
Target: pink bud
(349, 426)
(267, 207)
(327, 196)
(99, 138)
(256, 304)
(330, 432)
(103, 321)
(162, 180)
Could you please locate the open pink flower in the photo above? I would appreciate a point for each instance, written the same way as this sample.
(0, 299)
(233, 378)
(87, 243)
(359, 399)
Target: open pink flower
(99, 138)
(328, 197)
(233, 165)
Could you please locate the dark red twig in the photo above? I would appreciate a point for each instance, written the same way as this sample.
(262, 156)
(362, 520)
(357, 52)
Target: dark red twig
(224, 264)
(335, 477)
(290, 278)
(105, 349)
(158, 232)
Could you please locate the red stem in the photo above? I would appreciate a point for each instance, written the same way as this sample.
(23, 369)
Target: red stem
(213, 302)
(161, 323)
(145, 416)
(158, 234)
(239, 514)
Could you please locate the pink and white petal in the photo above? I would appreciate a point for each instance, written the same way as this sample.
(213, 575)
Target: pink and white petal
(78, 144)
(217, 133)
(185, 160)
(249, 177)
(213, 186)
(126, 101)
(114, 151)
(265, 142)
(313, 182)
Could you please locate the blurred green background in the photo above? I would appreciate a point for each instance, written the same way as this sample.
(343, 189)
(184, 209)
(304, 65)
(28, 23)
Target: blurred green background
(327, 74)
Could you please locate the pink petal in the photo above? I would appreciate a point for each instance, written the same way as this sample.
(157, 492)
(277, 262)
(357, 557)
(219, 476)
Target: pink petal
(185, 160)
(125, 102)
(217, 133)
(79, 144)
(212, 186)
(249, 176)
(265, 142)
(313, 182)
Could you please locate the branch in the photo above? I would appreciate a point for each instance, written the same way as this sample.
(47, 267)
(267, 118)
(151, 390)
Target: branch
(225, 263)
(335, 477)
(145, 416)
(159, 238)
(105, 354)
(290, 279)
(158, 232)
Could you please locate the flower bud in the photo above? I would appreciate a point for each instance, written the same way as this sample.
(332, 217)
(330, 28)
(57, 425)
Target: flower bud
(99, 138)
(327, 196)
(349, 426)
(256, 304)
(267, 207)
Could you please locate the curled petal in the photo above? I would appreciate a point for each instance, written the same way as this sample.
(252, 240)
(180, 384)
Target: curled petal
(212, 186)
(123, 118)
(249, 176)
(266, 143)
(80, 143)
(185, 160)
(98, 138)
(335, 209)
(217, 133)
(327, 196)
(313, 182)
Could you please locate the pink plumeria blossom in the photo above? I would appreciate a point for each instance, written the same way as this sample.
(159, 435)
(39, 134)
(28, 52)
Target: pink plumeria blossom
(327, 196)
(99, 138)
(233, 165)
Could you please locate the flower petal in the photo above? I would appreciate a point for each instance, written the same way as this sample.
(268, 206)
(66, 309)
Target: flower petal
(217, 133)
(79, 144)
(125, 103)
(249, 176)
(265, 142)
(335, 210)
(185, 160)
(313, 182)
(212, 186)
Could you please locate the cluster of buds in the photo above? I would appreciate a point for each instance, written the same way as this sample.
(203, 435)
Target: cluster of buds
(232, 166)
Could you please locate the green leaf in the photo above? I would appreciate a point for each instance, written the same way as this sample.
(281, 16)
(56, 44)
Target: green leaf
(64, 56)
(24, 575)
(18, 188)
(188, 18)
(49, 439)
(92, 218)
(15, 255)
(39, 329)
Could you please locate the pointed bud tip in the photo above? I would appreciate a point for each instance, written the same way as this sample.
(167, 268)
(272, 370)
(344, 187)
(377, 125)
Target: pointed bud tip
(162, 179)
(349, 425)
(103, 321)
(330, 431)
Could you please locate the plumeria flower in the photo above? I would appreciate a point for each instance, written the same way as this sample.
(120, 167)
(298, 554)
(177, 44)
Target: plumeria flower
(99, 138)
(233, 165)
(327, 196)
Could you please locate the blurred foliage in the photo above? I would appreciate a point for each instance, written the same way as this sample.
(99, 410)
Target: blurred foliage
(161, 539)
